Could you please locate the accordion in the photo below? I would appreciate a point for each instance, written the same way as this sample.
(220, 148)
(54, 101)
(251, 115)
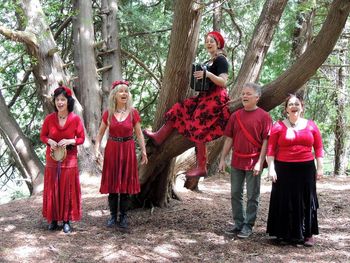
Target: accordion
(203, 84)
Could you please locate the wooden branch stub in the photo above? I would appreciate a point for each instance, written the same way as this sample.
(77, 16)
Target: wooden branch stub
(52, 51)
(104, 69)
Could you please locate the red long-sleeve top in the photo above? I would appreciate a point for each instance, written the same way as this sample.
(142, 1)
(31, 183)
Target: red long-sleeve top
(73, 129)
(289, 145)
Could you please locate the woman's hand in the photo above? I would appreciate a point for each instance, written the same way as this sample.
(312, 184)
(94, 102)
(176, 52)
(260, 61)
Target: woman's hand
(65, 142)
(319, 173)
(52, 143)
(272, 175)
(198, 74)
(144, 159)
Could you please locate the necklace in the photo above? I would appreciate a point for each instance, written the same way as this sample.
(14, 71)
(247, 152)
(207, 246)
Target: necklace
(121, 111)
(62, 117)
(293, 125)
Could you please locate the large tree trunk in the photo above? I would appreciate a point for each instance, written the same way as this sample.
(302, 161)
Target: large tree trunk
(340, 128)
(250, 69)
(183, 43)
(88, 89)
(273, 94)
(26, 160)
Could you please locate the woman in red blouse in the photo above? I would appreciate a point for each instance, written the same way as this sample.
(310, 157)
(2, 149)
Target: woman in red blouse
(62, 195)
(293, 145)
(120, 168)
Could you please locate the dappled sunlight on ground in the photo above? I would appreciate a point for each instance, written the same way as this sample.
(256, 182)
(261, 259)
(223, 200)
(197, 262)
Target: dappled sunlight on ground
(191, 230)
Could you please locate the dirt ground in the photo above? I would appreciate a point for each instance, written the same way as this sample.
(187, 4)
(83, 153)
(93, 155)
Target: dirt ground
(191, 230)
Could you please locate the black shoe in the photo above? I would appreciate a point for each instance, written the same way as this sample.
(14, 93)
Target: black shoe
(66, 227)
(112, 221)
(123, 221)
(232, 231)
(53, 225)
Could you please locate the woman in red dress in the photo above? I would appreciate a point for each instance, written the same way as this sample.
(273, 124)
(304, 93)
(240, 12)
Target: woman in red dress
(62, 195)
(201, 118)
(120, 169)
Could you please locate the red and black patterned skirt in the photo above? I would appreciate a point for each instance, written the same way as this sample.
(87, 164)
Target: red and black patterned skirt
(202, 118)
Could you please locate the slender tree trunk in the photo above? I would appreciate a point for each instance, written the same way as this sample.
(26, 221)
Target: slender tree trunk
(341, 130)
(302, 34)
(88, 89)
(111, 52)
(259, 44)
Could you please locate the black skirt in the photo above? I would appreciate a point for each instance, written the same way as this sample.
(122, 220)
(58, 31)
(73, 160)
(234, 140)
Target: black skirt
(293, 201)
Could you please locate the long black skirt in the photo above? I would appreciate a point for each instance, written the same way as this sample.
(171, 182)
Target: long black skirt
(293, 201)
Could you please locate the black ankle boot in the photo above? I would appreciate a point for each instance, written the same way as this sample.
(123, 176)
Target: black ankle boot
(53, 225)
(123, 221)
(112, 221)
(66, 227)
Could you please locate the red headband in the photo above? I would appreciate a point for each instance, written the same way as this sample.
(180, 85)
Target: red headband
(218, 38)
(120, 82)
(67, 90)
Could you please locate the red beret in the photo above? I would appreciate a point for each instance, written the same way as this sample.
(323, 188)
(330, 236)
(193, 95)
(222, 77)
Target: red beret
(218, 37)
(67, 90)
(119, 82)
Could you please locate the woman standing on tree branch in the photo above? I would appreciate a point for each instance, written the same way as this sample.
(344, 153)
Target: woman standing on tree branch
(201, 118)
(62, 131)
(120, 171)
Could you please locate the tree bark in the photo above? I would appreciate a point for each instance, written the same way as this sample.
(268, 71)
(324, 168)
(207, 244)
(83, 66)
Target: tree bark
(259, 45)
(112, 57)
(88, 86)
(340, 128)
(26, 159)
(183, 43)
(313, 57)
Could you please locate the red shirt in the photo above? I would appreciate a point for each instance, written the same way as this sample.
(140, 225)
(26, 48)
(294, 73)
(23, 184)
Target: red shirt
(258, 124)
(72, 129)
(289, 145)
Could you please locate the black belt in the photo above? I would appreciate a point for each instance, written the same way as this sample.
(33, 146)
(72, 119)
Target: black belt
(120, 139)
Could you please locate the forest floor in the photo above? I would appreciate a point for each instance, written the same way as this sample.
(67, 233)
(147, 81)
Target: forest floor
(191, 230)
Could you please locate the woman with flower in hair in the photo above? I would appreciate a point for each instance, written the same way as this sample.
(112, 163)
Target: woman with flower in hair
(202, 118)
(62, 131)
(120, 169)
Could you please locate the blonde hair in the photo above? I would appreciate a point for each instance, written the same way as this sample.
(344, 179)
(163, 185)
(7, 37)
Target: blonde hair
(112, 103)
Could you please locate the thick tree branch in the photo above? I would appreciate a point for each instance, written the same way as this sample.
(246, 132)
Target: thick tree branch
(19, 36)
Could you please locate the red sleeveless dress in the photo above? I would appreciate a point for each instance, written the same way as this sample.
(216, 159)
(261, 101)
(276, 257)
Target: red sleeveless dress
(120, 166)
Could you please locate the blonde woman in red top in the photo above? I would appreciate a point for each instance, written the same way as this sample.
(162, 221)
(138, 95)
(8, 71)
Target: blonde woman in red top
(293, 146)
(62, 195)
(120, 166)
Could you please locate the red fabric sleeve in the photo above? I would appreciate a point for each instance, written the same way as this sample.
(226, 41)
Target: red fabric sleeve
(273, 139)
(135, 117)
(318, 145)
(80, 135)
(44, 131)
